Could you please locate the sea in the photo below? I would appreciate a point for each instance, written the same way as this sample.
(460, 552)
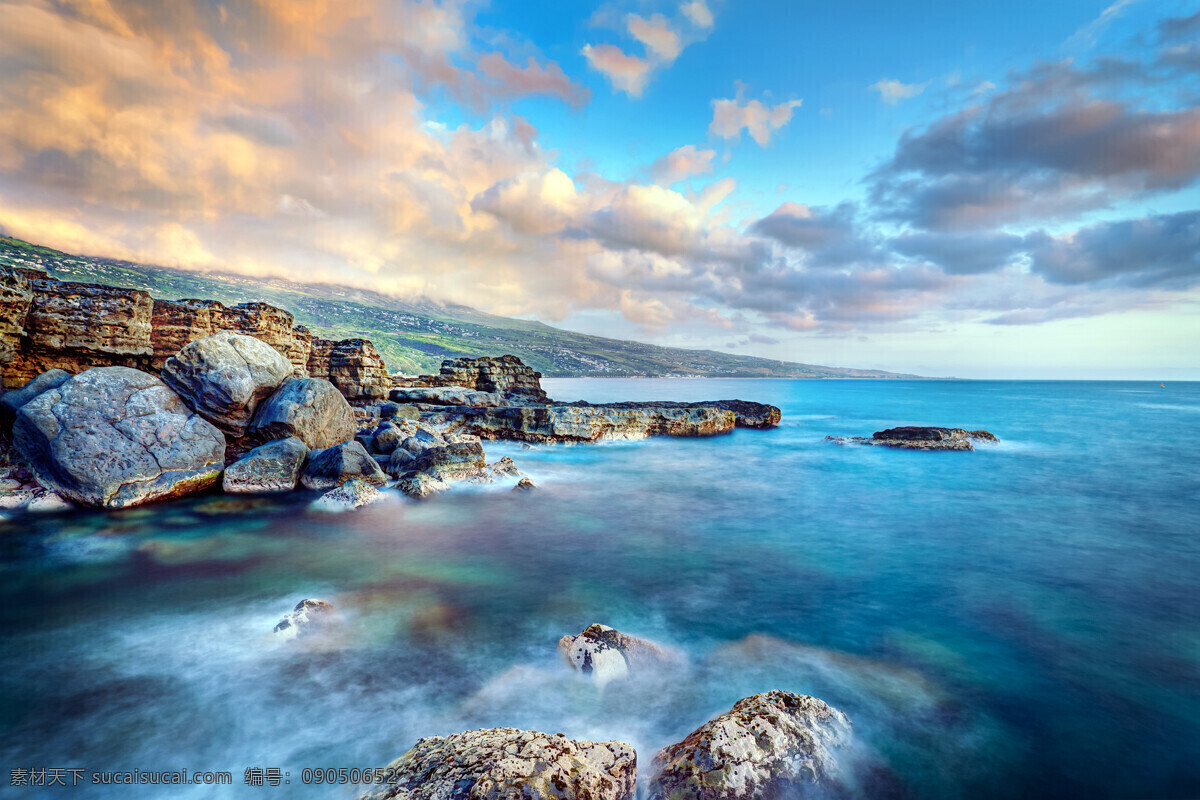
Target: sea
(1021, 621)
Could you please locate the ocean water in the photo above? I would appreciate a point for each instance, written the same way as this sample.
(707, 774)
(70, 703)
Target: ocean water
(1020, 621)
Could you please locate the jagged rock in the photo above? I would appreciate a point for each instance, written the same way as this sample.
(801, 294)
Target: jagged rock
(919, 438)
(525, 485)
(421, 485)
(272, 467)
(16, 293)
(451, 462)
(605, 654)
(12, 401)
(330, 467)
(775, 744)
(504, 468)
(311, 409)
(418, 446)
(511, 764)
(395, 411)
(448, 396)
(307, 614)
(354, 493)
(114, 437)
(176, 323)
(505, 375)
(354, 366)
(583, 423)
(751, 415)
(399, 461)
(225, 376)
(387, 437)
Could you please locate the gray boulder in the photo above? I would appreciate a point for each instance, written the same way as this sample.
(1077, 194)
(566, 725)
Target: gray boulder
(775, 744)
(504, 763)
(354, 493)
(387, 438)
(399, 461)
(330, 467)
(113, 437)
(12, 401)
(272, 467)
(225, 376)
(311, 409)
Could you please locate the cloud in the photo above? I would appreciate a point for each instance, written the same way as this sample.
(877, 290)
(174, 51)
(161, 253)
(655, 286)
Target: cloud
(1175, 28)
(657, 35)
(892, 92)
(626, 73)
(511, 80)
(828, 237)
(730, 118)
(1090, 33)
(698, 13)
(682, 163)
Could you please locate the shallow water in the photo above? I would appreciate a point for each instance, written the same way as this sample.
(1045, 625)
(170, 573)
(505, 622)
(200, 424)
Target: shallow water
(1021, 621)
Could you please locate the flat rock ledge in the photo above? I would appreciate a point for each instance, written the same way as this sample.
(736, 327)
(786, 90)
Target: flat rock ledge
(507, 763)
(920, 438)
(775, 744)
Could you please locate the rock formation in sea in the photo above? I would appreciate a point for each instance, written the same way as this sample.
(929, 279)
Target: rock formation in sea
(507, 763)
(306, 616)
(605, 654)
(272, 467)
(920, 438)
(499, 375)
(354, 366)
(775, 744)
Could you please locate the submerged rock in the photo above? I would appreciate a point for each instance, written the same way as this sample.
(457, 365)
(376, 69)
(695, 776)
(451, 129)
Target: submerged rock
(511, 764)
(225, 376)
(114, 437)
(307, 614)
(525, 485)
(272, 467)
(605, 654)
(311, 409)
(354, 493)
(769, 745)
(920, 438)
(332, 466)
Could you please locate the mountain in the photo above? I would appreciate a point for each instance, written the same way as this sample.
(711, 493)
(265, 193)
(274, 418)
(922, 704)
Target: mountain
(415, 334)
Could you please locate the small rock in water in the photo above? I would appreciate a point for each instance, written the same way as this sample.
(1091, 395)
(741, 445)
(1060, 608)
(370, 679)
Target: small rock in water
(502, 763)
(525, 485)
(12, 500)
(272, 467)
(352, 494)
(775, 744)
(333, 466)
(919, 438)
(605, 654)
(49, 502)
(307, 614)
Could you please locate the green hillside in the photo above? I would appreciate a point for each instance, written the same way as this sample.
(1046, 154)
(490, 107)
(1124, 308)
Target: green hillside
(414, 335)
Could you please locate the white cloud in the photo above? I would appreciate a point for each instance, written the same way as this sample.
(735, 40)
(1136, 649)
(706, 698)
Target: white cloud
(698, 13)
(892, 92)
(626, 73)
(657, 35)
(682, 163)
(730, 117)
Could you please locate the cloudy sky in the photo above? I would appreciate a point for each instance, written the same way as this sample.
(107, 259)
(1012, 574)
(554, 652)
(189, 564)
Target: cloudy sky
(980, 189)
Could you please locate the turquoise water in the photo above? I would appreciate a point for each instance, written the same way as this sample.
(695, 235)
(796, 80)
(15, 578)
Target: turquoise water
(1021, 621)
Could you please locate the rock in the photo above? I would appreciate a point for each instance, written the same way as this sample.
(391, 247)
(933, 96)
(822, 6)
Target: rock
(311, 409)
(307, 615)
(525, 485)
(330, 467)
(399, 461)
(605, 654)
(16, 294)
(12, 401)
(272, 467)
(583, 423)
(417, 446)
(448, 396)
(354, 366)
(352, 494)
(511, 764)
(505, 375)
(49, 502)
(114, 437)
(751, 415)
(451, 462)
(421, 485)
(225, 376)
(387, 437)
(775, 744)
(14, 499)
(504, 468)
(919, 438)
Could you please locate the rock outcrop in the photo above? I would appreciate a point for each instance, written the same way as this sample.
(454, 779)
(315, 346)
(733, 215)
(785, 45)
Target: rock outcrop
(354, 366)
(920, 438)
(775, 744)
(225, 376)
(311, 409)
(16, 293)
(272, 467)
(605, 654)
(175, 323)
(449, 396)
(331, 467)
(582, 423)
(505, 375)
(307, 615)
(113, 437)
(507, 763)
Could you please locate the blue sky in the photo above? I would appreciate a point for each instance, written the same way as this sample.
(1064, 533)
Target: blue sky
(979, 189)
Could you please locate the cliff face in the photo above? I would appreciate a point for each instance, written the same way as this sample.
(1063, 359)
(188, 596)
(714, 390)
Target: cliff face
(501, 375)
(47, 324)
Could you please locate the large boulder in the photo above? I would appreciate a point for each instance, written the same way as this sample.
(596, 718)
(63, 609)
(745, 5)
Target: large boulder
(330, 467)
(113, 437)
(507, 763)
(775, 744)
(272, 467)
(12, 401)
(311, 409)
(605, 654)
(225, 376)
(450, 462)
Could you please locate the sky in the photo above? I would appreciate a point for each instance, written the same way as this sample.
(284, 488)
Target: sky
(982, 189)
